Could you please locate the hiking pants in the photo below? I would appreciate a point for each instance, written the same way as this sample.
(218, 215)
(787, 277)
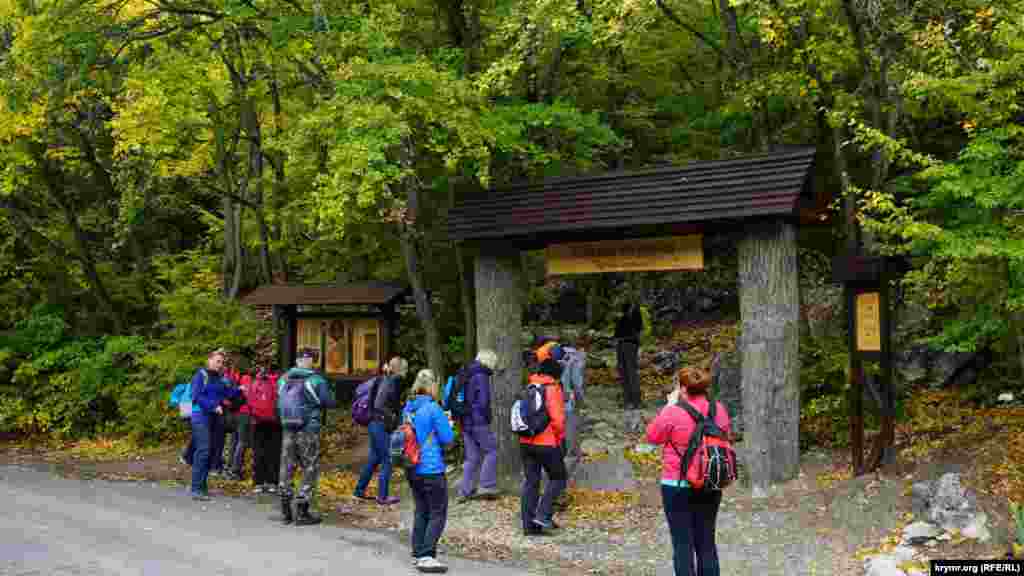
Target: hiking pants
(241, 442)
(300, 448)
(627, 357)
(481, 446)
(201, 457)
(380, 455)
(430, 493)
(691, 521)
(218, 435)
(535, 458)
(266, 453)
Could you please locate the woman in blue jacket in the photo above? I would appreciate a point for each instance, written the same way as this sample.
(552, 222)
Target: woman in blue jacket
(209, 390)
(428, 482)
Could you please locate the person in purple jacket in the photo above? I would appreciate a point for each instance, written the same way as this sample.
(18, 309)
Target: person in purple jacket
(209, 390)
(481, 444)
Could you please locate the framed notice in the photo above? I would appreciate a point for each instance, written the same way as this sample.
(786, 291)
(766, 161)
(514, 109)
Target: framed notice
(635, 255)
(868, 322)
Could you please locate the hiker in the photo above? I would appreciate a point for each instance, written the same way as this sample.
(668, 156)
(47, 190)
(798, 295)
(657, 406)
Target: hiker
(242, 439)
(225, 422)
(574, 367)
(266, 432)
(627, 348)
(691, 513)
(481, 444)
(209, 391)
(543, 450)
(383, 421)
(302, 395)
(427, 480)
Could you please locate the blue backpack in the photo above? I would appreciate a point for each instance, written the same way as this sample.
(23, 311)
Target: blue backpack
(454, 397)
(294, 401)
(362, 406)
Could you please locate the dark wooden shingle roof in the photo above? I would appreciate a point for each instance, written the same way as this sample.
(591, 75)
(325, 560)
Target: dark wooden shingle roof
(375, 293)
(700, 192)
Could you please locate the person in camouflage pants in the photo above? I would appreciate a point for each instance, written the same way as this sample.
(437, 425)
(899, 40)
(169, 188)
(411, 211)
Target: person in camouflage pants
(300, 414)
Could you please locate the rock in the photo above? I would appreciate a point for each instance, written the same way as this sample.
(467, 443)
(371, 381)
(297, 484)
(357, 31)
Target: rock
(593, 447)
(635, 422)
(919, 533)
(977, 528)
(883, 566)
(952, 506)
(903, 554)
(667, 361)
(1005, 398)
(921, 498)
(643, 448)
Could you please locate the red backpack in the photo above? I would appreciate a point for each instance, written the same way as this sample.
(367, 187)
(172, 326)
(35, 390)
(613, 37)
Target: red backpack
(263, 398)
(710, 461)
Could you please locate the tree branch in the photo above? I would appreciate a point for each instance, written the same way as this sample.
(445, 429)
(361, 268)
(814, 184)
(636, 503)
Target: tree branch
(671, 15)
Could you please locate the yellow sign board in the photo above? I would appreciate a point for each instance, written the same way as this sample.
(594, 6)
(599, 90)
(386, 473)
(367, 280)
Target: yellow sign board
(636, 255)
(869, 322)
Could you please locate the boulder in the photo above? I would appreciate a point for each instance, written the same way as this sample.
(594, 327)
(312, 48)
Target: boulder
(977, 528)
(920, 532)
(883, 566)
(921, 498)
(952, 507)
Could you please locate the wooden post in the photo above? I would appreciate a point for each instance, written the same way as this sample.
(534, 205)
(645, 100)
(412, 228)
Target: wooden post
(291, 337)
(499, 310)
(770, 312)
(856, 398)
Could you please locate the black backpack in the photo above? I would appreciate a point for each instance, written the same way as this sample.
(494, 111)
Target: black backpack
(456, 400)
(529, 414)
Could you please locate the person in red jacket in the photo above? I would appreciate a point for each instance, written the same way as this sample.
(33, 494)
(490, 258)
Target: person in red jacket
(691, 513)
(544, 451)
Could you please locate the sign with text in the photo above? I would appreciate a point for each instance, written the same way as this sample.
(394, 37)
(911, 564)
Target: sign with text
(869, 322)
(635, 255)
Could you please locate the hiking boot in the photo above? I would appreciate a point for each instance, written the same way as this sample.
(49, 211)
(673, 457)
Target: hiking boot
(305, 518)
(389, 500)
(286, 510)
(430, 565)
(535, 531)
(270, 488)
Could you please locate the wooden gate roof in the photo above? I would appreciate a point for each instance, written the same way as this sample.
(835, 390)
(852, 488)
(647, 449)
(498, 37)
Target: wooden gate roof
(625, 204)
(373, 293)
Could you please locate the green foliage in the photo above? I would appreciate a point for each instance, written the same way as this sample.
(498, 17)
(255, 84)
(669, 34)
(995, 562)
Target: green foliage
(1017, 514)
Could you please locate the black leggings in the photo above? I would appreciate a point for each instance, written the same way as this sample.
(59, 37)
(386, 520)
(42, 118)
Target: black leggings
(691, 520)
(266, 453)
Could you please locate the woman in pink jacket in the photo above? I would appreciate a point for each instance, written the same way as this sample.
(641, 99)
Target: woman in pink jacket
(691, 513)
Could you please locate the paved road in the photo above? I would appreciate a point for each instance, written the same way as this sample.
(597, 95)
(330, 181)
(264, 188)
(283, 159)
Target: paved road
(60, 527)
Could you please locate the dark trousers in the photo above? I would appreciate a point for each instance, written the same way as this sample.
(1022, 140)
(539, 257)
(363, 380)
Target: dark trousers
(691, 520)
(430, 493)
(218, 436)
(535, 458)
(380, 455)
(201, 438)
(190, 449)
(266, 453)
(627, 356)
(240, 442)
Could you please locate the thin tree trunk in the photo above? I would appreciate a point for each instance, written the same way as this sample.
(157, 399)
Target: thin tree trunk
(410, 241)
(499, 312)
(251, 125)
(770, 346)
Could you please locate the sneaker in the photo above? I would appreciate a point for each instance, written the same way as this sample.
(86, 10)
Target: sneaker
(389, 500)
(430, 565)
(259, 490)
(489, 492)
(545, 525)
(363, 496)
(201, 498)
(270, 488)
(535, 531)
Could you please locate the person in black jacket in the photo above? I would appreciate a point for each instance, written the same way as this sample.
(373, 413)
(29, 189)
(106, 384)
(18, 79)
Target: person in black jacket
(384, 421)
(627, 334)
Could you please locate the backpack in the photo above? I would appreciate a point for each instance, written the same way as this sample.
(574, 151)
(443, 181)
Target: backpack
(715, 461)
(455, 394)
(529, 413)
(181, 398)
(405, 449)
(294, 399)
(263, 399)
(362, 406)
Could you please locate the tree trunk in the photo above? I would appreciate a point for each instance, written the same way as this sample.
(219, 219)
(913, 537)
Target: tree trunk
(499, 313)
(468, 301)
(769, 309)
(251, 125)
(233, 264)
(410, 236)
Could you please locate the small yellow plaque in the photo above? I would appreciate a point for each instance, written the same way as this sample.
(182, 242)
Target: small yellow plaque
(869, 322)
(636, 255)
